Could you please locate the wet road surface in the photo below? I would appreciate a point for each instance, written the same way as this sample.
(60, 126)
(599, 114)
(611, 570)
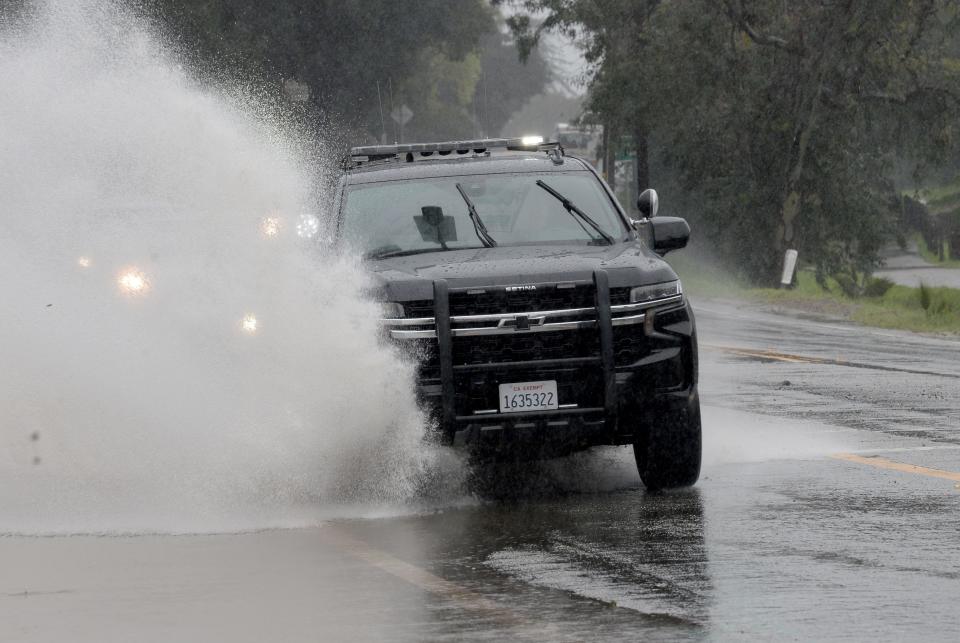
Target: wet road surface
(911, 269)
(828, 508)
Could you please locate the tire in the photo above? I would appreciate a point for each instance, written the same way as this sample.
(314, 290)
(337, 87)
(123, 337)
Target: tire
(668, 451)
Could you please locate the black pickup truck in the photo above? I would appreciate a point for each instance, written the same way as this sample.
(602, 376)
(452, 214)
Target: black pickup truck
(543, 318)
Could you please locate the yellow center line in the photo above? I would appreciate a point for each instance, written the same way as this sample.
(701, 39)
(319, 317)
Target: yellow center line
(892, 465)
(767, 354)
(770, 354)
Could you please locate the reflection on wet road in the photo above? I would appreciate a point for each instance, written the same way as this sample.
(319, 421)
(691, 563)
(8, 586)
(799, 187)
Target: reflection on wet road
(829, 508)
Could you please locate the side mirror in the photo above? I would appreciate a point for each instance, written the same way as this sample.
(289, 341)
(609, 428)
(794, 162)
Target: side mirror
(669, 233)
(648, 203)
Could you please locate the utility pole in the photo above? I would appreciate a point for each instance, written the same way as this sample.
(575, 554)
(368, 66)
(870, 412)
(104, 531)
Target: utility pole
(609, 156)
(642, 149)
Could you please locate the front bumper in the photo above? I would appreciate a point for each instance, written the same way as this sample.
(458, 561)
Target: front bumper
(614, 365)
(558, 433)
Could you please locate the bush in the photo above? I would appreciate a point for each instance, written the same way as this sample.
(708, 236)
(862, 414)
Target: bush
(848, 285)
(939, 302)
(877, 287)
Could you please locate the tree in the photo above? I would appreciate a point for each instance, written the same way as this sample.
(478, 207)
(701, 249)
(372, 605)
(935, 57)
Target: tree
(846, 81)
(782, 120)
(612, 34)
(473, 97)
(340, 50)
(506, 83)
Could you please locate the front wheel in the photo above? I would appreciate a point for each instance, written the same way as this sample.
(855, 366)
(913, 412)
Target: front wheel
(668, 451)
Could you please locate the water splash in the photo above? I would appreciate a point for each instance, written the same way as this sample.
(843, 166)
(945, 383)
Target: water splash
(175, 357)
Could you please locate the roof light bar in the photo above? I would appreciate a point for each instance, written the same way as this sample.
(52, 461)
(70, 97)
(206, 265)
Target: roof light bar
(370, 153)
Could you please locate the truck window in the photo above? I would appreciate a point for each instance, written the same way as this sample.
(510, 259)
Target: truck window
(515, 210)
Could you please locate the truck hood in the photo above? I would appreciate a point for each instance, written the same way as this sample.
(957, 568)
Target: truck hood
(411, 277)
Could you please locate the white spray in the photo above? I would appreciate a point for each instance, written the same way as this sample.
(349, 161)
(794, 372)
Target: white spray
(173, 355)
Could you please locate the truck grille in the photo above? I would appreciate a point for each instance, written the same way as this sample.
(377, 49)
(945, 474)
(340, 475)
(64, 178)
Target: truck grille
(629, 346)
(418, 308)
(489, 302)
(524, 333)
(525, 347)
(485, 302)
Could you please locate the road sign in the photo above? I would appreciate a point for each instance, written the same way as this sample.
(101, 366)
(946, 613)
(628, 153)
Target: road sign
(402, 115)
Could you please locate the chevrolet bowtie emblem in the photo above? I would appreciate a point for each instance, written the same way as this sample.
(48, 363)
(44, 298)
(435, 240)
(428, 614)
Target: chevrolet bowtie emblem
(522, 322)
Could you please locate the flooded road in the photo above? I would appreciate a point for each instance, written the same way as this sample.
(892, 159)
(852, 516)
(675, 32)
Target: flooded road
(828, 508)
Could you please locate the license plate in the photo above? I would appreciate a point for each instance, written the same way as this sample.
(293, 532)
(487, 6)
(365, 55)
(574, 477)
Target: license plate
(529, 396)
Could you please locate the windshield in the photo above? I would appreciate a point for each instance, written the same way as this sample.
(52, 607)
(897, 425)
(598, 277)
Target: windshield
(390, 217)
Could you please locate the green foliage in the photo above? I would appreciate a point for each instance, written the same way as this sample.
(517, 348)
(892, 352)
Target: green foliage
(939, 228)
(950, 259)
(854, 286)
(506, 83)
(924, 308)
(848, 285)
(877, 287)
(926, 298)
(897, 306)
(440, 95)
(782, 121)
(445, 60)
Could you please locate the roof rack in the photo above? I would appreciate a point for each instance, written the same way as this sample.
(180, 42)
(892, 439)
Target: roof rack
(409, 152)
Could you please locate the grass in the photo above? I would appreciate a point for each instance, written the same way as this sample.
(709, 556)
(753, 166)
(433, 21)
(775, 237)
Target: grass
(944, 202)
(931, 310)
(941, 198)
(932, 256)
(941, 193)
(903, 307)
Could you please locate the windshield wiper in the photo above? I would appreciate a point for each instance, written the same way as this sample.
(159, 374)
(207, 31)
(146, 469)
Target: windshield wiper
(478, 226)
(575, 212)
(393, 251)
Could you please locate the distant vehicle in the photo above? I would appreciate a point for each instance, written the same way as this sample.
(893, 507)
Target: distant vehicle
(543, 318)
(581, 140)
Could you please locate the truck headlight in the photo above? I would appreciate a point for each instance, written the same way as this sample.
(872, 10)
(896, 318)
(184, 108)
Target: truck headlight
(133, 282)
(391, 310)
(656, 292)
